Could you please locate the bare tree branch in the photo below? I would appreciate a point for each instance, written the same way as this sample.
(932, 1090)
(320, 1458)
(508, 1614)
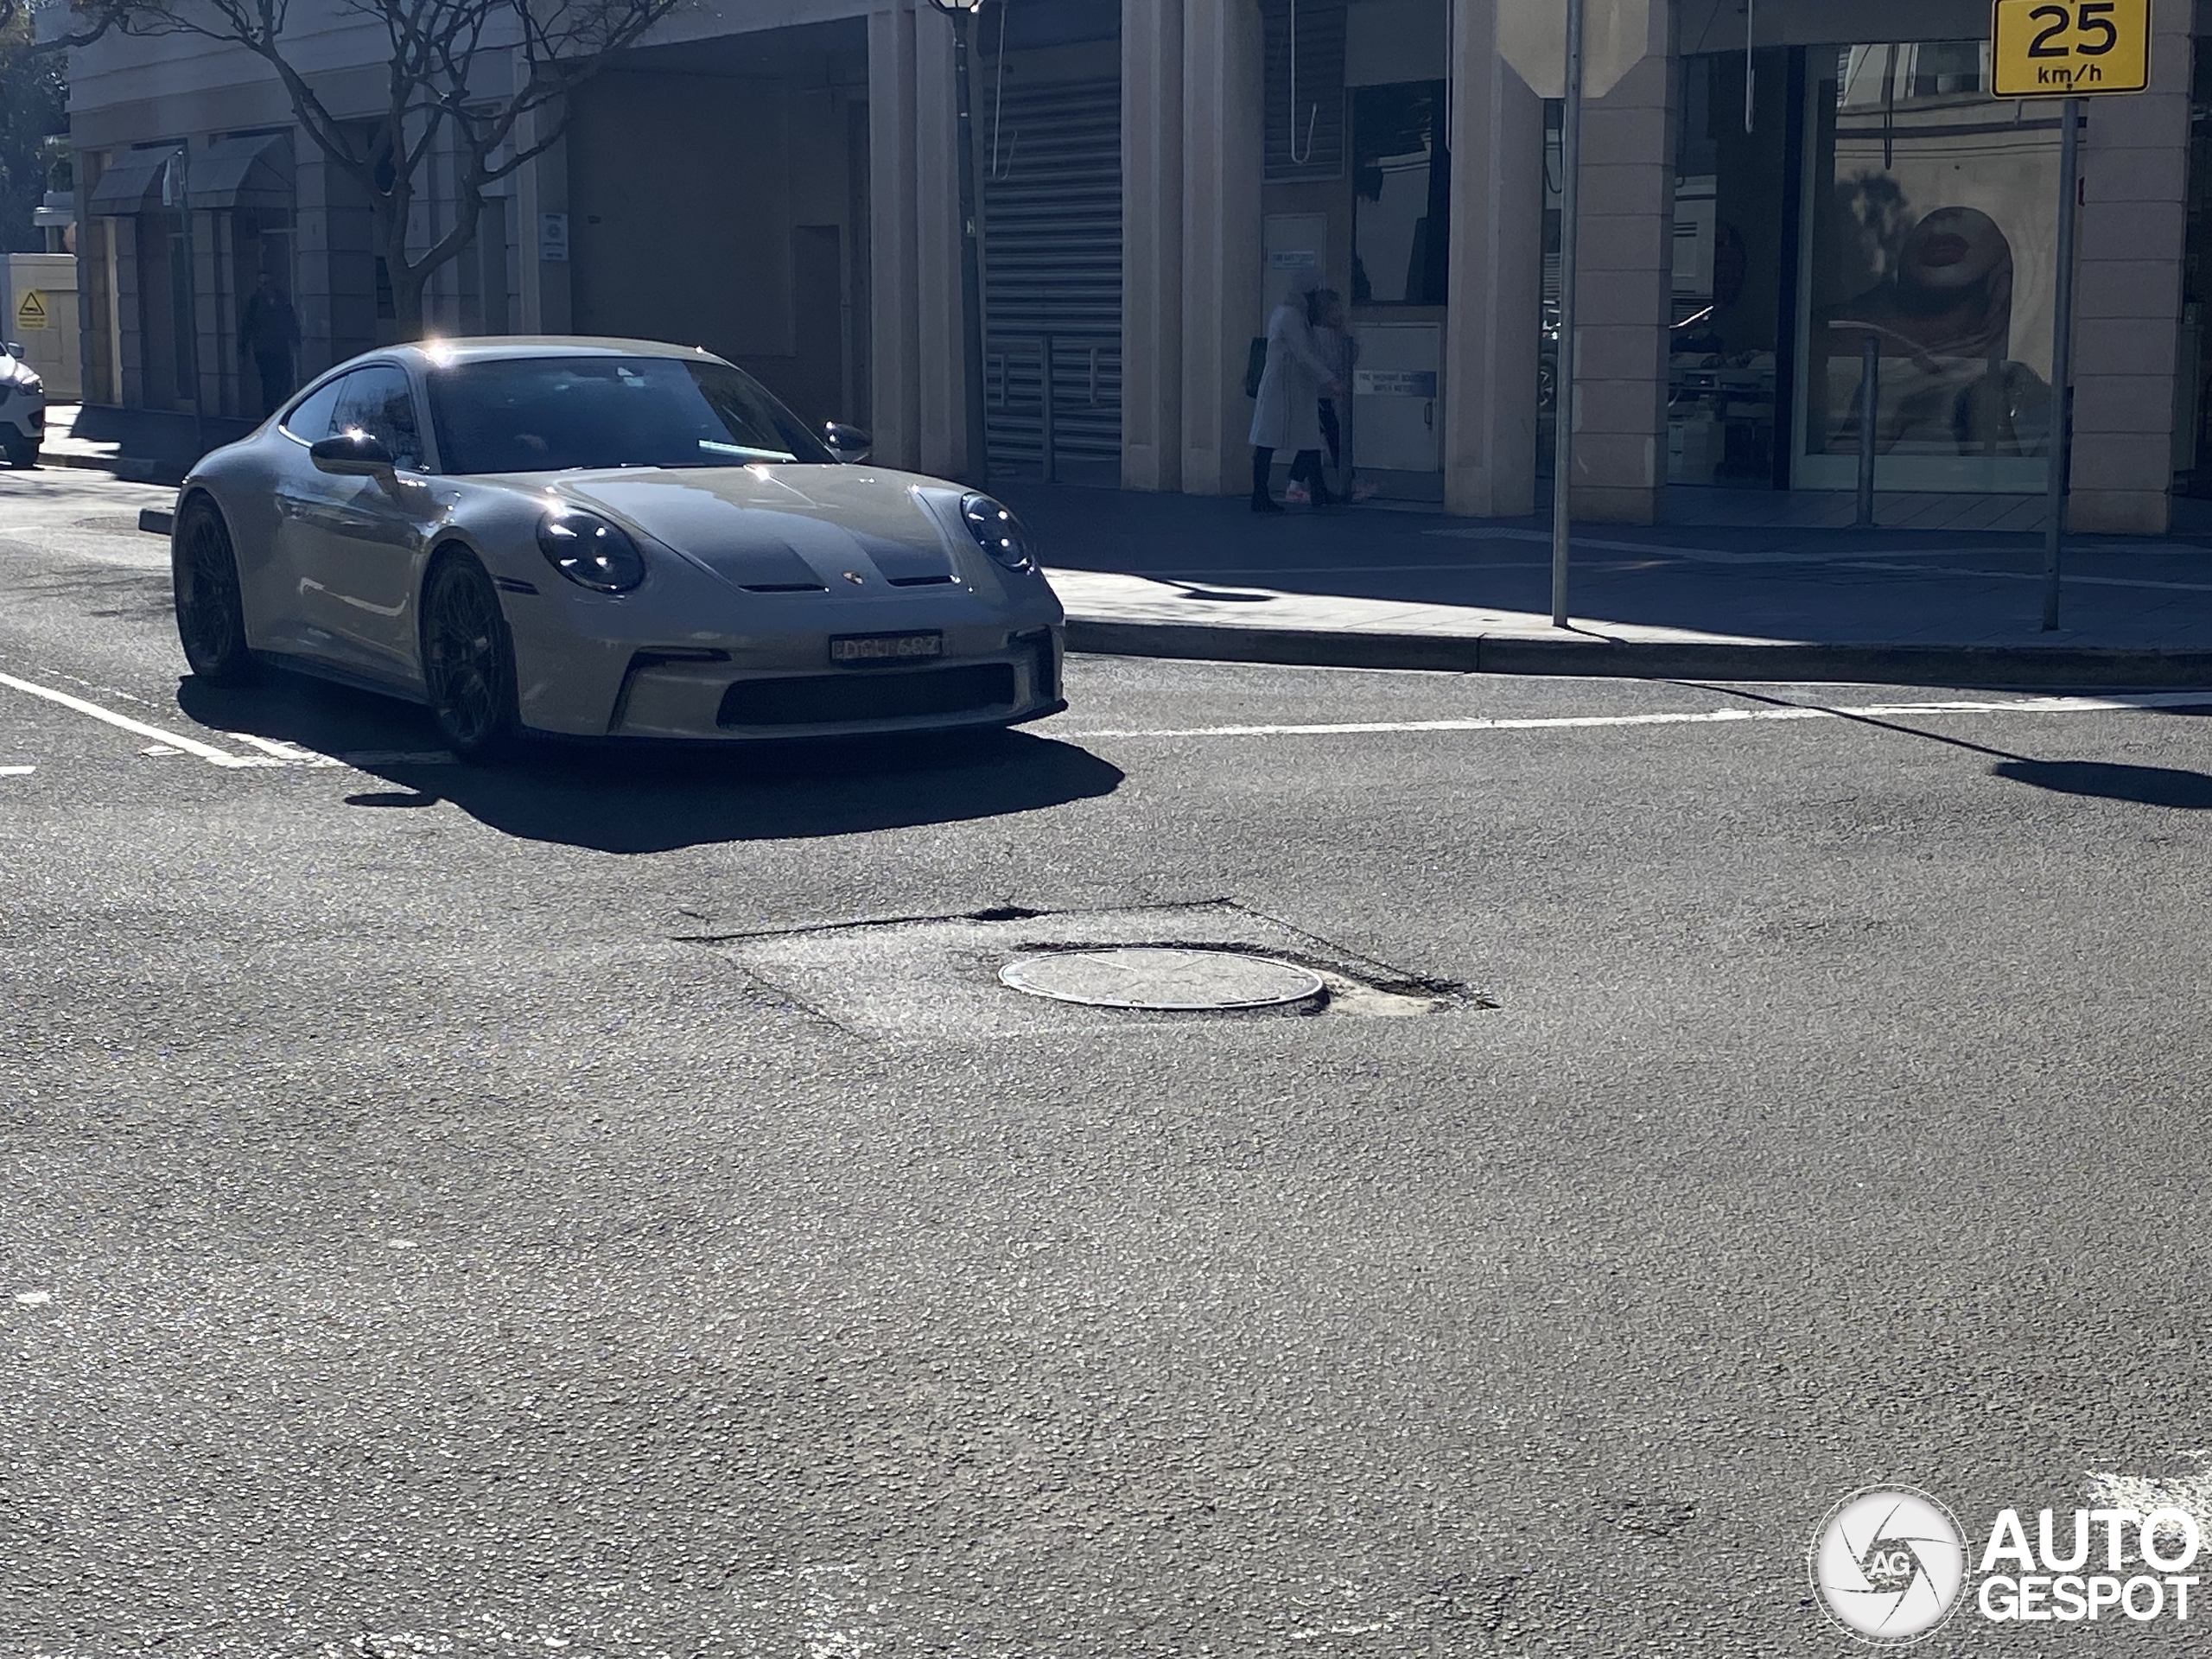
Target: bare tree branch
(440, 56)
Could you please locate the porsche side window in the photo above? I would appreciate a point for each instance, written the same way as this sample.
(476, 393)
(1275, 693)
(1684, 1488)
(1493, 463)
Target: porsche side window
(378, 401)
(312, 420)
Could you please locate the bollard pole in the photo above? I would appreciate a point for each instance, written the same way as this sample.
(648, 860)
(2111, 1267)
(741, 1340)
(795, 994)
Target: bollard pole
(1049, 460)
(1870, 405)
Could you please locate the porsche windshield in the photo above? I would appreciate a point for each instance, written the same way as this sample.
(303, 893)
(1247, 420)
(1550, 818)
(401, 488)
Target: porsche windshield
(551, 414)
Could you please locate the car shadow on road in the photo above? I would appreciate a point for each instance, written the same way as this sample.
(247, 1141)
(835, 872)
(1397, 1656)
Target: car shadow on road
(619, 800)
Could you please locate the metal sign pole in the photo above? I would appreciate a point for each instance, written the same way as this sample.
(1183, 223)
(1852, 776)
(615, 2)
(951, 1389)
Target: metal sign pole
(1570, 159)
(2062, 359)
(177, 184)
(1870, 410)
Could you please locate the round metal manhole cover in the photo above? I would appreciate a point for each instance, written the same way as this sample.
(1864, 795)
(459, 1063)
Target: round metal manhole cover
(1163, 978)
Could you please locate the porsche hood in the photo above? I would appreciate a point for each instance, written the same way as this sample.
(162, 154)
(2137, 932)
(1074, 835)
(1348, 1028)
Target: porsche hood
(780, 530)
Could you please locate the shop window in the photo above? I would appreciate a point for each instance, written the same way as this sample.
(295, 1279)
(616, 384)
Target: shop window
(1730, 272)
(1931, 232)
(1401, 194)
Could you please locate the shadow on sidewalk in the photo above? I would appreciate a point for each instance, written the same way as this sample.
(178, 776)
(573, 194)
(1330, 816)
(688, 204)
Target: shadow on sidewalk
(1780, 584)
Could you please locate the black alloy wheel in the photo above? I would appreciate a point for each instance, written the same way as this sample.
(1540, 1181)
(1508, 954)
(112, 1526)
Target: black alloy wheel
(210, 611)
(469, 661)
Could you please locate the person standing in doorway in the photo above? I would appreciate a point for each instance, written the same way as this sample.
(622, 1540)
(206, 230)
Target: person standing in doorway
(269, 333)
(1286, 412)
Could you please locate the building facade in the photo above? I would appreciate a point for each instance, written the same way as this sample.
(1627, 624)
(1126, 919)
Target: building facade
(777, 183)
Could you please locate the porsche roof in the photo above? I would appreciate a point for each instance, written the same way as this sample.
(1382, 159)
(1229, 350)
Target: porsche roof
(478, 348)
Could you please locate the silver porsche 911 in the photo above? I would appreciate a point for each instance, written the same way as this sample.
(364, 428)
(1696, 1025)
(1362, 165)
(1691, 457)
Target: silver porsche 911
(603, 538)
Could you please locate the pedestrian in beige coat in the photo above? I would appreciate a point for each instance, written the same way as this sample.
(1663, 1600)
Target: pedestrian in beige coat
(1286, 409)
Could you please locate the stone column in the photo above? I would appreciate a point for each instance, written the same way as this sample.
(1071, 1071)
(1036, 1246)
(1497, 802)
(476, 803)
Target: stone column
(1152, 245)
(918, 394)
(542, 187)
(894, 319)
(2133, 223)
(1222, 50)
(1495, 291)
(934, 159)
(1625, 291)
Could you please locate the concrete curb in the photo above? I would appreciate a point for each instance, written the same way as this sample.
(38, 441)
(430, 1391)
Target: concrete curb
(1991, 667)
(131, 469)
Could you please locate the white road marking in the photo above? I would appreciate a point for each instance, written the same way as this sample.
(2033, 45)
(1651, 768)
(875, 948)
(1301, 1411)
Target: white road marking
(292, 753)
(1690, 717)
(207, 752)
(34, 1298)
(17, 771)
(2192, 1494)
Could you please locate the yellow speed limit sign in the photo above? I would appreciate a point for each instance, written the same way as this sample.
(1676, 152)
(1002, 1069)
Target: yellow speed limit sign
(2069, 49)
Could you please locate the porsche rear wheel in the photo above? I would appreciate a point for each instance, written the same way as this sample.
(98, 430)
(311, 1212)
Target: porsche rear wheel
(469, 661)
(210, 612)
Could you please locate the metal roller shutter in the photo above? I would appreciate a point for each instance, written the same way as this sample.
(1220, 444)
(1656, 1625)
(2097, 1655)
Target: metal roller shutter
(1052, 268)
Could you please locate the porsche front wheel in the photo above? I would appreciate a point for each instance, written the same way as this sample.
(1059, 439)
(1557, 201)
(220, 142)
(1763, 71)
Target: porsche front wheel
(468, 662)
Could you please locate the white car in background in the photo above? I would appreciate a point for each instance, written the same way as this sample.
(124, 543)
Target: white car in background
(22, 408)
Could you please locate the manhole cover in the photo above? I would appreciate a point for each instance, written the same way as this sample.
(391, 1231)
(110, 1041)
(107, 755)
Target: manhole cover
(1157, 977)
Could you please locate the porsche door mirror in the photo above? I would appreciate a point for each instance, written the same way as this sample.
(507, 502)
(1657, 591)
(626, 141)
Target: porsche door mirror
(848, 443)
(351, 455)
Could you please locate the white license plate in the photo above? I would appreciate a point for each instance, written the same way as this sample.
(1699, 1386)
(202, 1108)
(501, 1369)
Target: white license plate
(886, 647)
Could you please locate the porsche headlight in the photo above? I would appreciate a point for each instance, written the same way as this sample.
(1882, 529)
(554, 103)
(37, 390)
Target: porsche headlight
(590, 551)
(997, 532)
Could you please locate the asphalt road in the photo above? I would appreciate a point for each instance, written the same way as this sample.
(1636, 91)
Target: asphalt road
(487, 1214)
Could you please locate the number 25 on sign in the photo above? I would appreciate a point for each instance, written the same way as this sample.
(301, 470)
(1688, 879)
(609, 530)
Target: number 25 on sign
(2069, 49)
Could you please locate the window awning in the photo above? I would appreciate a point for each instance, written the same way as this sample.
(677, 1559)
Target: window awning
(253, 172)
(132, 184)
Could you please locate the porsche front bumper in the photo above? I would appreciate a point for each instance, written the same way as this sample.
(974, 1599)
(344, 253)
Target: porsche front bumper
(994, 669)
(692, 693)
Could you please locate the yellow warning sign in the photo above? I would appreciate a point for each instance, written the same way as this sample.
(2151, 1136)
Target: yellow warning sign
(30, 310)
(2068, 48)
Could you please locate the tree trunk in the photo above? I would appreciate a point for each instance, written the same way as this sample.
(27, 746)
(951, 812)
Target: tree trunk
(407, 285)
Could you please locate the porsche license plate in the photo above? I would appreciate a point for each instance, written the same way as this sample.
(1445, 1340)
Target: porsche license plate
(863, 649)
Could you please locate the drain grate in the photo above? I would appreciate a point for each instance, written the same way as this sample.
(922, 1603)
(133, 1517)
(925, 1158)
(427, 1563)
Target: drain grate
(1172, 980)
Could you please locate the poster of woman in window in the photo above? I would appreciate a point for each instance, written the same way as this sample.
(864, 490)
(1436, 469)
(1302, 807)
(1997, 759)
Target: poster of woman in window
(1941, 323)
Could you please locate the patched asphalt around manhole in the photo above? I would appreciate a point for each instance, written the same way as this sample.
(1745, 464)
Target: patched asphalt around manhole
(1172, 980)
(940, 977)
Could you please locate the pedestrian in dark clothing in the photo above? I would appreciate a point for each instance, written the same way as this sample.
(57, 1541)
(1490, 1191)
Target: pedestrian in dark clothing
(1332, 338)
(268, 333)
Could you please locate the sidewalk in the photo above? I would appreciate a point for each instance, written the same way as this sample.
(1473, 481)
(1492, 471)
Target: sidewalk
(144, 446)
(1171, 575)
(1376, 585)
